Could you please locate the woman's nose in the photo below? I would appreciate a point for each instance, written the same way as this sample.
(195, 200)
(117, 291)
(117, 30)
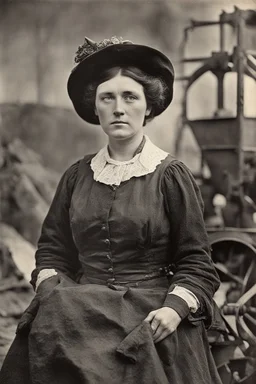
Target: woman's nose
(118, 108)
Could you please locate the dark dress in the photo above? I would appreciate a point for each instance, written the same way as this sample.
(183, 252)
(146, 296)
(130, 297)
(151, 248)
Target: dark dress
(113, 247)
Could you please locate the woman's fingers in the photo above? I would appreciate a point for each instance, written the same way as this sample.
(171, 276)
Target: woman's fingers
(163, 335)
(164, 329)
(153, 320)
(158, 332)
(150, 316)
(163, 322)
(155, 325)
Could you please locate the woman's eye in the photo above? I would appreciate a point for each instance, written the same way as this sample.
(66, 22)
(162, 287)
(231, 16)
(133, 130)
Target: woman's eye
(130, 98)
(107, 98)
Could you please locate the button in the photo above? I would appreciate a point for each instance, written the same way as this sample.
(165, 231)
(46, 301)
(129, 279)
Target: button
(113, 187)
(108, 257)
(111, 281)
(110, 270)
(104, 227)
(107, 241)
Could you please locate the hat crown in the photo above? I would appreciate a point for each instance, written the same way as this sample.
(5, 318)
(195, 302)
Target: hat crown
(89, 47)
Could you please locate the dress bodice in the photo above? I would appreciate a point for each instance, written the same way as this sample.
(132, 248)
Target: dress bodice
(120, 230)
(129, 231)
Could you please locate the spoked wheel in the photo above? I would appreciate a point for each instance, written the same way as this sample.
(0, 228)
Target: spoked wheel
(235, 261)
(244, 369)
(236, 265)
(246, 318)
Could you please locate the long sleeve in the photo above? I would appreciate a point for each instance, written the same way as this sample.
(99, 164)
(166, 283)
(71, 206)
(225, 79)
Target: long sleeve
(56, 248)
(190, 248)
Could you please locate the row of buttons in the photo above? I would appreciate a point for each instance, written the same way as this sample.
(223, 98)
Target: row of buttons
(109, 258)
(104, 228)
(107, 242)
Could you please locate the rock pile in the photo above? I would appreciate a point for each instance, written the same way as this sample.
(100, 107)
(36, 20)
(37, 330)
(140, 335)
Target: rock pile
(26, 190)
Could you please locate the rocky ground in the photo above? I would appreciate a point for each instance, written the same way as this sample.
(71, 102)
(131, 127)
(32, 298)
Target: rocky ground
(26, 189)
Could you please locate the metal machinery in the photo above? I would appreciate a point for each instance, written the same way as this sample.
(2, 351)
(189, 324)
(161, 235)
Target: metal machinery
(228, 148)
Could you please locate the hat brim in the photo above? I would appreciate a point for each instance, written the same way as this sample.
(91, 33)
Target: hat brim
(150, 60)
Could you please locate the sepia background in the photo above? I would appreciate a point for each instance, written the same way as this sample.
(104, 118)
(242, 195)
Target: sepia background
(41, 135)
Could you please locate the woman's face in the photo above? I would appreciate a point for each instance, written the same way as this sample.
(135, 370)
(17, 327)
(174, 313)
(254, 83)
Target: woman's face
(121, 107)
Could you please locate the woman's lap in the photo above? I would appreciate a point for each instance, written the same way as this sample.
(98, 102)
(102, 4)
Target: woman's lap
(78, 329)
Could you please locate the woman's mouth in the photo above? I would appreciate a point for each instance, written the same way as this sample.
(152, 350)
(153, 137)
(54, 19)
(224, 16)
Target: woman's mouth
(118, 122)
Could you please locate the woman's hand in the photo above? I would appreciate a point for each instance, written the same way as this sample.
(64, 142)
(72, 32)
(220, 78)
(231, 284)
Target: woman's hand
(163, 321)
(44, 288)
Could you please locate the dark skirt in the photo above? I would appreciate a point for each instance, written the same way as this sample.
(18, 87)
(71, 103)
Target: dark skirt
(95, 333)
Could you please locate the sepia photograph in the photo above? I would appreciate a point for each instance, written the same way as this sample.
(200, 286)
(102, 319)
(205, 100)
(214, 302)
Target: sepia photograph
(127, 192)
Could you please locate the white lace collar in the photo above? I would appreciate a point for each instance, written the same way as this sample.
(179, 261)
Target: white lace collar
(113, 172)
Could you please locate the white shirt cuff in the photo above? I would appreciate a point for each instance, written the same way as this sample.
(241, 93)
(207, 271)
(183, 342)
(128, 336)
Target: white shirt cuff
(43, 275)
(188, 296)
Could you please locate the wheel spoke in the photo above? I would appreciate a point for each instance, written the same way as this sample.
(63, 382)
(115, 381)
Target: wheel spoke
(250, 318)
(222, 268)
(248, 275)
(247, 295)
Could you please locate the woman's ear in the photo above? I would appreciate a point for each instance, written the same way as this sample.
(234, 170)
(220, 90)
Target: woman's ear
(148, 111)
(95, 111)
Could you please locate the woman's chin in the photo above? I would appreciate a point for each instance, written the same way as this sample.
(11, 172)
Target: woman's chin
(119, 134)
(122, 133)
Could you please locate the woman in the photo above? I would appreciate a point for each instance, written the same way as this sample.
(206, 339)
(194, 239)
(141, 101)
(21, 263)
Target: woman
(123, 275)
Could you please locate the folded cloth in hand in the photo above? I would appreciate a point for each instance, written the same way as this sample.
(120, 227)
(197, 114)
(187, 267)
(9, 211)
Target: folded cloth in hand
(30, 313)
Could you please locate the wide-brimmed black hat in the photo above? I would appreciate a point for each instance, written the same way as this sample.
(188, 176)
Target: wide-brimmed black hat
(93, 57)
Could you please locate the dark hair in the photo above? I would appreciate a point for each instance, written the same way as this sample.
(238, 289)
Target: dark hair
(155, 89)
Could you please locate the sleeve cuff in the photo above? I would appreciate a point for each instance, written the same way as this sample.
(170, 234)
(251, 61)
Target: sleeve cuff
(188, 296)
(43, 275)
(178, 304)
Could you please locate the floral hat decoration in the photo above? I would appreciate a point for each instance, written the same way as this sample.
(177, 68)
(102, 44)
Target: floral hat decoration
(93, 57)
